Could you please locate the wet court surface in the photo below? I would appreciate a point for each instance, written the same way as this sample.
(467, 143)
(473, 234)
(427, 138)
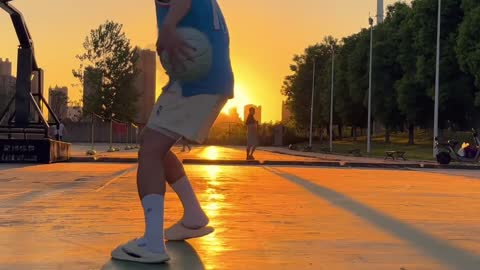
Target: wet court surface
(70, 216)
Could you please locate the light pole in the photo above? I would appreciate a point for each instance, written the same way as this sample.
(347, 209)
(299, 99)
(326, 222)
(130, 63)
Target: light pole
(311, 106)
(92, 151)
(437, 78)
(111, 148)
(331, 99)
(369, 131)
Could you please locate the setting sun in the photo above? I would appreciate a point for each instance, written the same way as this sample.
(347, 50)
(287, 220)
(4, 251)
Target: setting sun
(239, 101)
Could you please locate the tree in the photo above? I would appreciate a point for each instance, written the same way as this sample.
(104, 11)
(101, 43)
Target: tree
(413, 101)
(468, 43)
(455, 107)
(109, 62)
(403, 71)
(387, 70)
(357, 78)
(92, 87)
(298, 86)
(344, 108)
(324, 81)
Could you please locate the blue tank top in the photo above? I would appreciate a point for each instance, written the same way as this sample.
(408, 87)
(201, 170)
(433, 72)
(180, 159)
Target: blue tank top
(206, 16)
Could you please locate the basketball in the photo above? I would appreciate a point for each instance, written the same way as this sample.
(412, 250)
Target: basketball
(198, 64)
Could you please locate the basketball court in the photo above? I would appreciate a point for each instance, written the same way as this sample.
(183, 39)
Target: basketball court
(70, 216)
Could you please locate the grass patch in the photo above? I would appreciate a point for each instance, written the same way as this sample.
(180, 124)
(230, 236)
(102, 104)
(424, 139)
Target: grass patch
(422, 150)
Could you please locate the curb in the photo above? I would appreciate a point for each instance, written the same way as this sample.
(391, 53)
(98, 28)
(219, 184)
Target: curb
(383, 165)
(220, 162)
(302, 163)
(82, 159)
(103, 159)
(450, 167)
(331, 164)
(298, 155)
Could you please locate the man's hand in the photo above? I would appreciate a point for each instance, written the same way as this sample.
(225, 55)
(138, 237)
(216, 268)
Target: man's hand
(174, 45)
(169, 40)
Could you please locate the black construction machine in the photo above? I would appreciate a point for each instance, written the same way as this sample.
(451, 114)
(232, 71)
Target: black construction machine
(24, 128)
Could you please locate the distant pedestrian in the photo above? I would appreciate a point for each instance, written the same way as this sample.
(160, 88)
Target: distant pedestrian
(60, 131)
(252, 134)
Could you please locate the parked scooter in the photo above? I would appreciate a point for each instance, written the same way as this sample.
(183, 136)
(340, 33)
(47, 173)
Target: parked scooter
(461, 153)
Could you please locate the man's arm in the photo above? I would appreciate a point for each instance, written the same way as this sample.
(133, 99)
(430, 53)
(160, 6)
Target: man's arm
(168, 39)
(178, 9)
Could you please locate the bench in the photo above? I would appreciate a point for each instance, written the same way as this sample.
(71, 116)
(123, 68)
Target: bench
(395, 155)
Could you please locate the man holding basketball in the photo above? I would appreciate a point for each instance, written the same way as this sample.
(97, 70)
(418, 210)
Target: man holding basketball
(183, 110)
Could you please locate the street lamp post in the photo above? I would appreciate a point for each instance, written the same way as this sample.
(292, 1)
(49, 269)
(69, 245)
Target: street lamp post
(369, 131)
(111, 148)
(92, 152)
(311, 106)
(437, 79)
(331, 99)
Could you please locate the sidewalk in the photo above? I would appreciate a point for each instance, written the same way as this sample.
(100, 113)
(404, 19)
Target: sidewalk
(337, 157)
(234, 155)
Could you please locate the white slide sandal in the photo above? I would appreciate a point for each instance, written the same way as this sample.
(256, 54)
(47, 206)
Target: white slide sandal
(179, 232)
(133, 253)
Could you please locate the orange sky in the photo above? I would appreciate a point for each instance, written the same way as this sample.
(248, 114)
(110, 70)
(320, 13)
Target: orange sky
(265, 34)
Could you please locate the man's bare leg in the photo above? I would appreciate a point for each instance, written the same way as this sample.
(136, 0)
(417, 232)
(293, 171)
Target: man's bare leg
(193, 216)
(151, 186)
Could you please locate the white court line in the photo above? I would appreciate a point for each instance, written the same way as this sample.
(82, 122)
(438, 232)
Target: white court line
(127, 171)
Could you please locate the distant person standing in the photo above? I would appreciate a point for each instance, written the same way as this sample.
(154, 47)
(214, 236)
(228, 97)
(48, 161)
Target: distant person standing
(252, 134)
(60, 131)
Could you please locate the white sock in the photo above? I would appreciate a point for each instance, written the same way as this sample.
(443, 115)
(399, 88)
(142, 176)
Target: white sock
(153, 209)
(193, 215)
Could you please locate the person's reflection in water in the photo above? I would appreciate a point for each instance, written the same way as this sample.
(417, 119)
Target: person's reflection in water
(183, 256)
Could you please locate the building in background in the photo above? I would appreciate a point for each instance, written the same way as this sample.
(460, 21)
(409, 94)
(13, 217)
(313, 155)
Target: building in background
(8, 88)
(145, 84)
(258, 112)
(286, 113)
(58, 101)
(7, 83)
(5, 67)
(234, 116)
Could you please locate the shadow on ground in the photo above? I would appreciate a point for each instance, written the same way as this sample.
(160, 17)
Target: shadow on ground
(437, 249)
(182, 254)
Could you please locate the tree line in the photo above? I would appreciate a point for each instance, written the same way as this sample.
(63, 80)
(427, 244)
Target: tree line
(403, 72)
(108, 71)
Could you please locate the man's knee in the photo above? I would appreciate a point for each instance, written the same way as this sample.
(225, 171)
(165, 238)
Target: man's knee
(174, 167)
(153, 142)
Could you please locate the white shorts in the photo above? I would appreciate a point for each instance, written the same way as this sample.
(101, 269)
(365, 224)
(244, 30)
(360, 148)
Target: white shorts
(185, 117)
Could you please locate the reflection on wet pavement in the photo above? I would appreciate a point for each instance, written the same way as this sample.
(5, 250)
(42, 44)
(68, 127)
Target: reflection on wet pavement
(205, 152)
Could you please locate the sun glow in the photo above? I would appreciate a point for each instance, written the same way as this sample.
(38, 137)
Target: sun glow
(239, 101)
